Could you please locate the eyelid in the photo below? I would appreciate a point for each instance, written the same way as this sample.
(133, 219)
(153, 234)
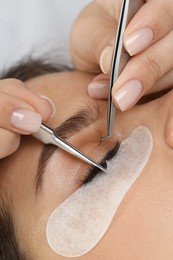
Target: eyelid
(93, 171)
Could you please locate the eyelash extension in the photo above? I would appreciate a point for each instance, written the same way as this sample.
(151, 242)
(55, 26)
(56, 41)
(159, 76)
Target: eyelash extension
(93, 171)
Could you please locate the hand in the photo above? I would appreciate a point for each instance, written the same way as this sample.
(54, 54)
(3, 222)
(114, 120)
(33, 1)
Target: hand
(21, 113)
(148, 39)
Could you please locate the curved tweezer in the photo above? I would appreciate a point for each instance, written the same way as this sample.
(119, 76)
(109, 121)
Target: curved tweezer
(47, 135)
(120, 56)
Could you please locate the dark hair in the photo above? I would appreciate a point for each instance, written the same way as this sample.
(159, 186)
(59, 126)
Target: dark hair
(9, 248)
(28, 69)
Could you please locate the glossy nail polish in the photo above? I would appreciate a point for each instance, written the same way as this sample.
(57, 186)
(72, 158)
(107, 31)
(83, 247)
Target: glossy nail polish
(26, 120)
(139, 41)
(128, 94)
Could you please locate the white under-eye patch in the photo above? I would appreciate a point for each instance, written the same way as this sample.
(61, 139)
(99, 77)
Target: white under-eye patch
(78, 224)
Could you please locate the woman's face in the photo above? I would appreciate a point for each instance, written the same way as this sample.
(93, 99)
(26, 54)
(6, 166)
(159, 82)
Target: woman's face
(142, 228)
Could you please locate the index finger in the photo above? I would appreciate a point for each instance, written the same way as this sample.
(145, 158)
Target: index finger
(148, 26)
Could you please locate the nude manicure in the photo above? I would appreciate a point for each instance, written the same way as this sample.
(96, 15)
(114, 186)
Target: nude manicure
(98, 90)
(139, 41)
(128, 95)
(50, 103)
(105, 59)
(26, 120)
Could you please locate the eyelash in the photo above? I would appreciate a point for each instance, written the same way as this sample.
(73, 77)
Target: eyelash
(93, 171)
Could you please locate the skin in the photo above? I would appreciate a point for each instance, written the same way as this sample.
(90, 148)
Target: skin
(143, 225)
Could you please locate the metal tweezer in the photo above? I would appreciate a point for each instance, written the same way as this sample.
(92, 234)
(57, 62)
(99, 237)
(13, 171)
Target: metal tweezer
(120, 56)
(47, 135)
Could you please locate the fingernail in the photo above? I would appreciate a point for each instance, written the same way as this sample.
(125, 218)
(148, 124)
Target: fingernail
(139, 40)
(50, 103)
(128, 95)
(105, 59)
(26, 120)
(98, 90)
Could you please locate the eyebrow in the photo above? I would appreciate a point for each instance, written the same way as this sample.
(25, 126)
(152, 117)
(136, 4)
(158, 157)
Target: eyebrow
(81, 119)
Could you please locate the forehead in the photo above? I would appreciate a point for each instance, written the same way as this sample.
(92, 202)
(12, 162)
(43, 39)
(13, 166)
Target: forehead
(66, 89)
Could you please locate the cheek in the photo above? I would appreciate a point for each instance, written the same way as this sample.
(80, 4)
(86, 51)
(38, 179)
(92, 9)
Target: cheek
(60, 178)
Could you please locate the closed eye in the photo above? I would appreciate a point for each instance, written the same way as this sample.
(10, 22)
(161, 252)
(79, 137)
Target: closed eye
(93, 171)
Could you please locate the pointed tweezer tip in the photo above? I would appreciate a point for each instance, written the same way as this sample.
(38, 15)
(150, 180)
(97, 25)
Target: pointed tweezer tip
(101, 168)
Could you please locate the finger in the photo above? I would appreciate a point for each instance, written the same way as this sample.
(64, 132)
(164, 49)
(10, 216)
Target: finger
(17, 115)
(9, 142)
(99, 87)
(152, 22)
(40, 103)
(141, 73)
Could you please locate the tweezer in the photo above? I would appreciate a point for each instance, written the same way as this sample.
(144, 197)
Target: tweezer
(120, 56)
(47, 135)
